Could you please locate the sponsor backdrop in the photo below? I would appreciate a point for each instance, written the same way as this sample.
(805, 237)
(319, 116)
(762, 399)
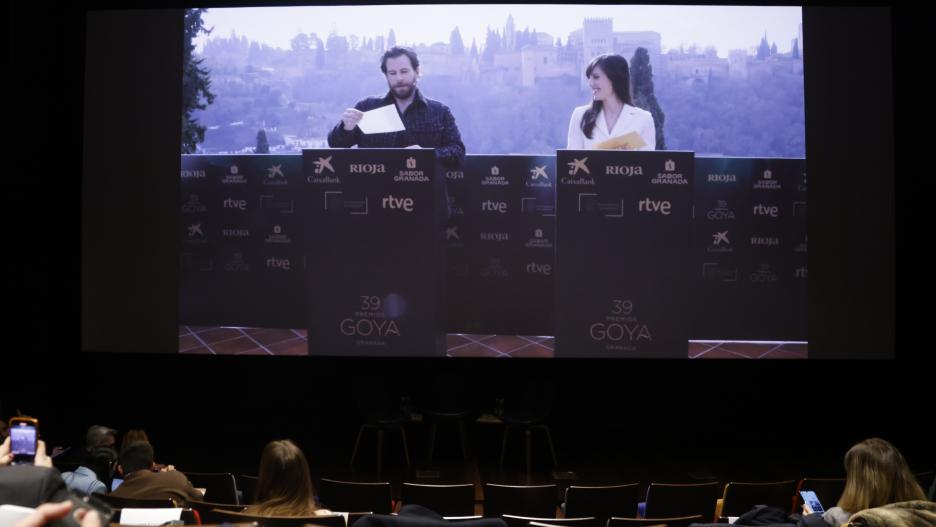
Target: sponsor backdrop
(354, 244)
(241, 232)
(500, 245)
(749, 249)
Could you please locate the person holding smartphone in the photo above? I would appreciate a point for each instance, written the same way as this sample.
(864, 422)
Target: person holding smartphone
(876, 474)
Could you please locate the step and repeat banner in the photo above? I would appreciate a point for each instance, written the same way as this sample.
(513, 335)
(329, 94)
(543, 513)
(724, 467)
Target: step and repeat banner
(749, 249)
(381, 252)
(242, 229)
(500, 244)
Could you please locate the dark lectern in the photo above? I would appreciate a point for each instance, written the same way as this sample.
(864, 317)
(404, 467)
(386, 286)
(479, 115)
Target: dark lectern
(375, 261)
(623, 253)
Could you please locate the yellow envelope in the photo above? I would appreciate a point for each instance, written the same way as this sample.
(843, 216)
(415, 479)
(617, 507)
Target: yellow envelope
(628, 141)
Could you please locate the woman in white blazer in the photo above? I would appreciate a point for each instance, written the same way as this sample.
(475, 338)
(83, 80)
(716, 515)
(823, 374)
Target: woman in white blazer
(611, 113)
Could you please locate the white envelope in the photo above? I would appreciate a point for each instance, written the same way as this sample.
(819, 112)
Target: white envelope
(381, 120)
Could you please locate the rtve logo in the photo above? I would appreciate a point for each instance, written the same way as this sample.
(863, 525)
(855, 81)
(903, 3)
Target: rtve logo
(649, 205)
(764, 210)
(278, 263)
(394, 203)
(494, 206)
(231, 203)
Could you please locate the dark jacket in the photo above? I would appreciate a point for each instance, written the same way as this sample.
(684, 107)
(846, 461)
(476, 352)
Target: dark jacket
(144, 484)
(30, 486)
(429, 124)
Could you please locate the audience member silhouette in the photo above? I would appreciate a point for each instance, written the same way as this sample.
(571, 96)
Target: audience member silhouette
(284, 486)
(876, 474)
(141, 481)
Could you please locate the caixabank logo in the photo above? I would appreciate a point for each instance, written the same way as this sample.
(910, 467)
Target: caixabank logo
(578, 170)
(538, 178)
(275, 176)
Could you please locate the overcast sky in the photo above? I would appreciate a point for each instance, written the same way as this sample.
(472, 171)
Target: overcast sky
(725, 27)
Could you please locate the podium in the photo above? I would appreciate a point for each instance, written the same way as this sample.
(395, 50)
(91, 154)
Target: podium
(623, 253)
(374, 248)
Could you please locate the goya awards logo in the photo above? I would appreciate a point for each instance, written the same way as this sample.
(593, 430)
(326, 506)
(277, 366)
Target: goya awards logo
(720, 212)
(620, 329)
(764, 273)
(193, 205)
(375, 321)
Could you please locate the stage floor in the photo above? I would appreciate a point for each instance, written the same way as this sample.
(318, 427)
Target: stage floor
(268, 341)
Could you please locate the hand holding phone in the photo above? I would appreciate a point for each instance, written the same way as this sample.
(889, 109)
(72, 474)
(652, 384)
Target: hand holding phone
(24, 440)
(811, 504)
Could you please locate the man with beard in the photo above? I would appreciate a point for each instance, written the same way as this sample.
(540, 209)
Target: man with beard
(429, 123)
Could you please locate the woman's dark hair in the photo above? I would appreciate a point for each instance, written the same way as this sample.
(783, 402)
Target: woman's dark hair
(616, 69)
(102, 461)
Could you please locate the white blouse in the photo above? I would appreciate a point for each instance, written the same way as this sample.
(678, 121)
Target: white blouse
(632, 119)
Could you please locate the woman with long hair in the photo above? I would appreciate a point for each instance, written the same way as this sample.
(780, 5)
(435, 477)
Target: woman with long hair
(611, 113)
(284, 486)
(876, 474)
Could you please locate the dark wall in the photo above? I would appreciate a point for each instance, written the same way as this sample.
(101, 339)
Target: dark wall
(95, 262)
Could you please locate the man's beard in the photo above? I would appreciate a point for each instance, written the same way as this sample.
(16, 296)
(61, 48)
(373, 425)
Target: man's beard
(405, 91)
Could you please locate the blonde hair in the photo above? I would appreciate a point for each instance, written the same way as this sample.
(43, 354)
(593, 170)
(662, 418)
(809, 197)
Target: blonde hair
(285, 486)
(877, 474)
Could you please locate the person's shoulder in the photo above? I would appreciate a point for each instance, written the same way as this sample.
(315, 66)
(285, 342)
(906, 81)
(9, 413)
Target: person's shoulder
(578, 113)
(836, 516)
(97, 487)
(436, 104)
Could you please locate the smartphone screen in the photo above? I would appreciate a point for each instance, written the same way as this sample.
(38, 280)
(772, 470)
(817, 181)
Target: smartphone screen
(812, 501)
(23, 442)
